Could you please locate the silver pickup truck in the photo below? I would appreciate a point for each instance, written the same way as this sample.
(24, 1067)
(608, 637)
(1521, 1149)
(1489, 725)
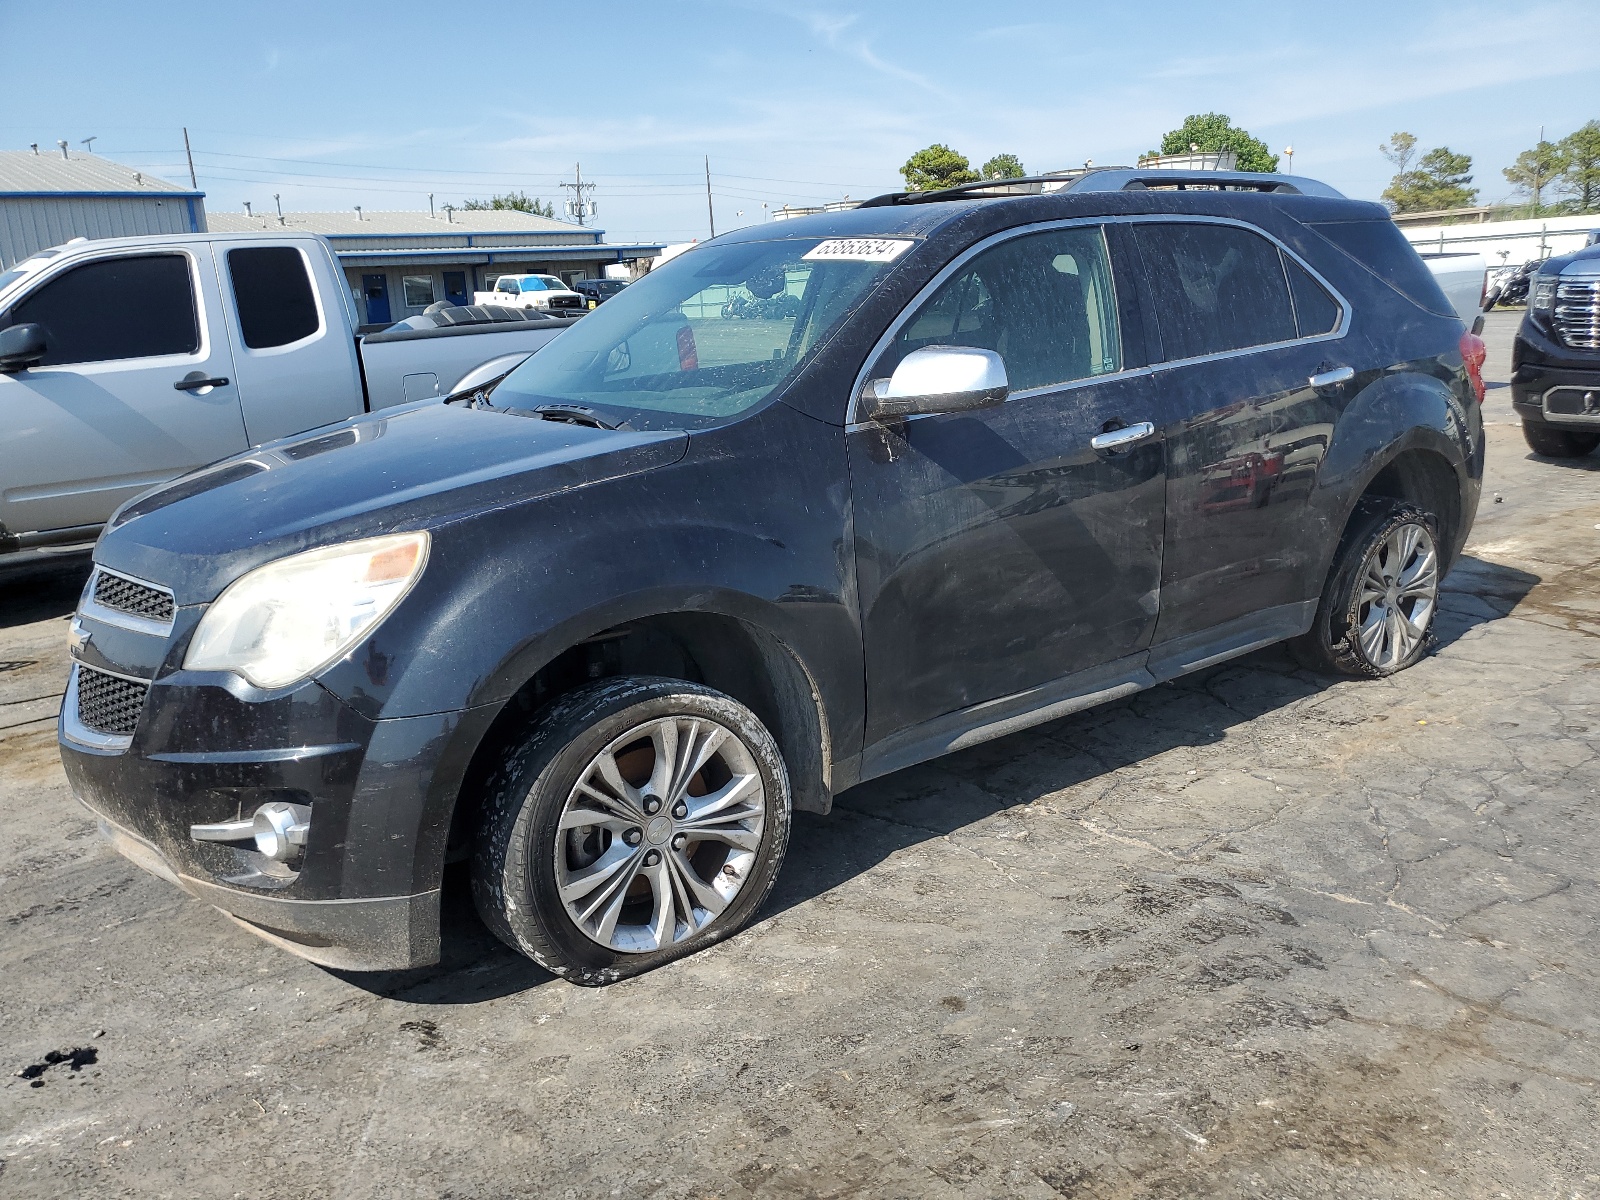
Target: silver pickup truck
(128, 361)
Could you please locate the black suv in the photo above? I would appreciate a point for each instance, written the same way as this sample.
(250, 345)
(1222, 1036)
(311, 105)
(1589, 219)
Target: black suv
(999, 454)
(598, 291)
(1555, 361)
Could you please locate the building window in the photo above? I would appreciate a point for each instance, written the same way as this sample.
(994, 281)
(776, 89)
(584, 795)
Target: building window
(419, 290)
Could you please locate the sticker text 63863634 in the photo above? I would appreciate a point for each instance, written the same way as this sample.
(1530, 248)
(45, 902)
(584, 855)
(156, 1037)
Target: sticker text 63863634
(857, 250)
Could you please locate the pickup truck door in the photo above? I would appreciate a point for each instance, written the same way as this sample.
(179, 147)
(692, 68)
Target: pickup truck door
(136, 386)
(293, 349)
(998, 550)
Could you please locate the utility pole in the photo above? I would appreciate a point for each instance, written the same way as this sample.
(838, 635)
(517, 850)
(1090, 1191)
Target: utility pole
(88, 144)
(577, 207)
(278, 200)
(711, 215)
(189, 154)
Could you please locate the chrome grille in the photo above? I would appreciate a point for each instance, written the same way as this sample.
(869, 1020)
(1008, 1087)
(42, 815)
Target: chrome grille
(109, 703)
(1577, 313)
(132, 597)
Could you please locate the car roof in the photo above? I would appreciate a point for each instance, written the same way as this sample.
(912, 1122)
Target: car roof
(925, 217)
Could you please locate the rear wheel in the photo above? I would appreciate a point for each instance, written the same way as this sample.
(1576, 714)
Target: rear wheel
(1376, 613)
(1558, 443)
(642, 820)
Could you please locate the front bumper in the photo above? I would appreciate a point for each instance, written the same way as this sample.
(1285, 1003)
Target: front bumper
(1552, 383)
(381, 933)
(364, 894)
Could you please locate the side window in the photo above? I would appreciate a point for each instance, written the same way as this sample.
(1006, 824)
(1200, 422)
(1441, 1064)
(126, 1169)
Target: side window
(418, 290)
(272, 294)
(506, 284)
(1215, 288)
(1042, 301)
(115, 308)
(1315, 312)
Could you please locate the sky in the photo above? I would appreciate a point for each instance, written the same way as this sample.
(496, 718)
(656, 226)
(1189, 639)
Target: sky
(331, 105)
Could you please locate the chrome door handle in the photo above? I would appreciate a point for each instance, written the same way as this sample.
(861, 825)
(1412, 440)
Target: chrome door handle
(1114, 440)
(1333, 377)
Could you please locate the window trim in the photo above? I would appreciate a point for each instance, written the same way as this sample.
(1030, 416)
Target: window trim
(225, 271)
(853, 422)
(197, 297)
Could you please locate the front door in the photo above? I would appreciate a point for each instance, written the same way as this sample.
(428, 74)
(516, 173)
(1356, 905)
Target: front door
(455, 287)
(103, 416)
(996, 550)
(376, 290)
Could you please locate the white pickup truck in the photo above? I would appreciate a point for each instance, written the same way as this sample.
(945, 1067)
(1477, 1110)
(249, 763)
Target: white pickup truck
(543, 292)
(1464, 278)
(128, 361)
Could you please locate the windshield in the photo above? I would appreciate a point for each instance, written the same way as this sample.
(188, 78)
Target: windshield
(551, 283)
(706, 336)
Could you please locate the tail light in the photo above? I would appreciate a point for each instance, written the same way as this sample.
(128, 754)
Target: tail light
(688, 353)
(1473, 353)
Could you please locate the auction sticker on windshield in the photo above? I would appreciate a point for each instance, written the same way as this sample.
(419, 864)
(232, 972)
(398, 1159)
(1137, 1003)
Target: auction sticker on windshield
(857, 250)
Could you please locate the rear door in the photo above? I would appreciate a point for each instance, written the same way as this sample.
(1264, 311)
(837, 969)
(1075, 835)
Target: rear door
(1243, 327)
(292, 349)
(116, 406)
(996, 550)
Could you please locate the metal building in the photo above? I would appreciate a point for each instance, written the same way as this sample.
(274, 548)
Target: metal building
(398, 263)
(50, 197)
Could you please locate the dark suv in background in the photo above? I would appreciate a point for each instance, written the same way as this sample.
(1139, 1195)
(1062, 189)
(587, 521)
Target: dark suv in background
(1555, 361)
(1002, 453)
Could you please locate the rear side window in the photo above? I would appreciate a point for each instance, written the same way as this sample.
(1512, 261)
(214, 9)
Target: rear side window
(116, 308)
(1382, 249)
(1215, 288)
(1042, 301)
(272, 290)
(1315, 311)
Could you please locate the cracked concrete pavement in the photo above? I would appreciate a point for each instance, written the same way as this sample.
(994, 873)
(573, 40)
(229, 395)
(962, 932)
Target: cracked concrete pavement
(1253, 934)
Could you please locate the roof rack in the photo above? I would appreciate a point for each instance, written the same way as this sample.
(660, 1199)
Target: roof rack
(1116, 179)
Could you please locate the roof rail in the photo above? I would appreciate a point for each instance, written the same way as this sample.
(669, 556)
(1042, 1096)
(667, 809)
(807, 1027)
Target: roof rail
(1116, 179)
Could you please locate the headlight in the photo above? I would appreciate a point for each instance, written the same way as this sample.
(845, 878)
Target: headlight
(1542, 295)
(289, 619)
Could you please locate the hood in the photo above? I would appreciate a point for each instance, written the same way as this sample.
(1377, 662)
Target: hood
(409, 469)
(1585, 262)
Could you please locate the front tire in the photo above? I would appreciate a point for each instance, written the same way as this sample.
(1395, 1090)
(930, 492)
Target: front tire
(1558, 443)
(1376, 614)
(642, 819)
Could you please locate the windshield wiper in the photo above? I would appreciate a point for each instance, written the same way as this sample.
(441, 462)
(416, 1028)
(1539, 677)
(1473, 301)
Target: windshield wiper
(572, 414)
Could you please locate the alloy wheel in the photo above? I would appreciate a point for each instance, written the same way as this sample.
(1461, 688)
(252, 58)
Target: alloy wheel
(1398, 595)
(660, 834)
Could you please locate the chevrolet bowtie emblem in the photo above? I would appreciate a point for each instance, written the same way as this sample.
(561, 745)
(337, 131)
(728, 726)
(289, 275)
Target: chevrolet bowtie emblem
(77, 638)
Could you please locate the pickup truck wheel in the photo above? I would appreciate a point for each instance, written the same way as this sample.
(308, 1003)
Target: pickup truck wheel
(1376, 613)
(1558, 443)
(641, 820)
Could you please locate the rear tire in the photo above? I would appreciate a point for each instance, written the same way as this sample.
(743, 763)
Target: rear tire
(641, 820)
(1551, 442)
(1376, 612)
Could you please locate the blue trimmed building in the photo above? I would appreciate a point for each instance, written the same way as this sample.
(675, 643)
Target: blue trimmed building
(398, 263)
(50, 197)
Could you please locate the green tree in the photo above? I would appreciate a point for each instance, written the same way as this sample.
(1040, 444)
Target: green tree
(1535, 170)
(1211, 133)
(937, 167)
(1580, 177)
(1440, 180)
(1400, 149)
(1003, 166)
(513, 202)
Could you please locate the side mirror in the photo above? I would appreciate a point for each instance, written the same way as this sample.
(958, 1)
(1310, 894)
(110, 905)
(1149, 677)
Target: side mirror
(20, 346)
(937, 379)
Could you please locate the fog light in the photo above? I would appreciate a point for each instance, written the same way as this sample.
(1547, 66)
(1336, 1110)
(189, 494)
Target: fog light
(279, 830)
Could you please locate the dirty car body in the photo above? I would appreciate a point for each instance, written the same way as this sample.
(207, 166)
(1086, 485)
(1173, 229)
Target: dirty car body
(877, 589)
